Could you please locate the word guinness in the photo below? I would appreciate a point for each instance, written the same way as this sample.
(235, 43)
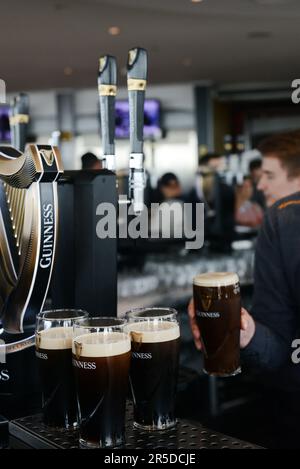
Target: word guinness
(84, 365)
(204, 314)
(4, 375)
(48, 236)
(142, 356)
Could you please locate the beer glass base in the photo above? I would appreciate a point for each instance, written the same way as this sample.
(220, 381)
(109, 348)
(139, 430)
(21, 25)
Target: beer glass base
(155, 428)
(89, 445)
(58, 427)
(223, 375)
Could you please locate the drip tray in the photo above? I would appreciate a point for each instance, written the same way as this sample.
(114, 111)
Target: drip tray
(32, 433)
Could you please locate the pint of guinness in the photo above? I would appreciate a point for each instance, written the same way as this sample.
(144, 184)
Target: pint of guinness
(101, 360)
(54, 333)
(154, 366)
(218, 312)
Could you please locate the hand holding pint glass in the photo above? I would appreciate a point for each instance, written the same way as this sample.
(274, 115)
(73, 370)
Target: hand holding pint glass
(217, 305)
(101, 360)
(154, 366)
(54, 333)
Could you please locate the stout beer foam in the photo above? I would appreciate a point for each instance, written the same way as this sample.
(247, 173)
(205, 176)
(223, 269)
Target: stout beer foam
(216, 279)
(55, 338)
(154, 331)
(102, 344)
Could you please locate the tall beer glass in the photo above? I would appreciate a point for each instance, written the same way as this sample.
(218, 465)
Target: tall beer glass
(154, 366)
(54, 332)
(218, 313)
(101, 360)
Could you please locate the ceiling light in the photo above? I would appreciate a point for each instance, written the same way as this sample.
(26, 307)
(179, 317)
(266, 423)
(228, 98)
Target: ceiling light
(196, 1)
(68, 71)
(187, 62)
(114, 30)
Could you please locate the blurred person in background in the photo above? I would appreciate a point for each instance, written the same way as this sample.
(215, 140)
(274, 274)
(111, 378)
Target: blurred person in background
(90, 161)
(168, 188)
(247, 212)
(268, 332)
(169, 194)
(210, 190)
(255, 172)
(214, 161)
(208, 165)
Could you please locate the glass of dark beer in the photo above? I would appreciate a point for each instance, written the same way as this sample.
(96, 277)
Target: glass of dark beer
(54, 333)
(101, 360)
(218, 313)
(154, 366)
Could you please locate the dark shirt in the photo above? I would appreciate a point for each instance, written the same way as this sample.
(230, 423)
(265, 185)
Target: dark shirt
(276, 301)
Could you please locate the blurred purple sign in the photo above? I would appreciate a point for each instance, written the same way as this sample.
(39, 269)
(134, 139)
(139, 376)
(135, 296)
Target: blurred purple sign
(152, 117)
(4, 124)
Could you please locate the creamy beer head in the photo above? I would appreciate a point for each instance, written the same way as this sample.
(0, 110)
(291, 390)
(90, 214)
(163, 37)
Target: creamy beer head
(102, 344)
(56, 338)
(216, 279)
(153, 331)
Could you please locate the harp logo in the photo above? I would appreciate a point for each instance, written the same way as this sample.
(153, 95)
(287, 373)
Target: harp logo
(2, 91)
(48, 156)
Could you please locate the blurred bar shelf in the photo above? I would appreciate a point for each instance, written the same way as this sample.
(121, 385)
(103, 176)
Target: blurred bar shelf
(167, 274)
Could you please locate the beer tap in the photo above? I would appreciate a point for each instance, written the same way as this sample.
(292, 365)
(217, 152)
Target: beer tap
(107, 86)
(136, 83)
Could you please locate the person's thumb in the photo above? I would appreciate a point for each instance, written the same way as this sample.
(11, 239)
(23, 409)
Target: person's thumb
(244, 320)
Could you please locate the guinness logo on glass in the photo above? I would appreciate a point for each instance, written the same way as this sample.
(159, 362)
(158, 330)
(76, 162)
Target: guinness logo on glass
(206, 302)
(142, 356)
(48, 156)
(42, 356)
(208, 314)
(136, 337)
(78, 349)
(37, 340)
(4, 375)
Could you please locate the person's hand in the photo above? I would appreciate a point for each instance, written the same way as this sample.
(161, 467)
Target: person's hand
(247, 326)
(193, 324)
